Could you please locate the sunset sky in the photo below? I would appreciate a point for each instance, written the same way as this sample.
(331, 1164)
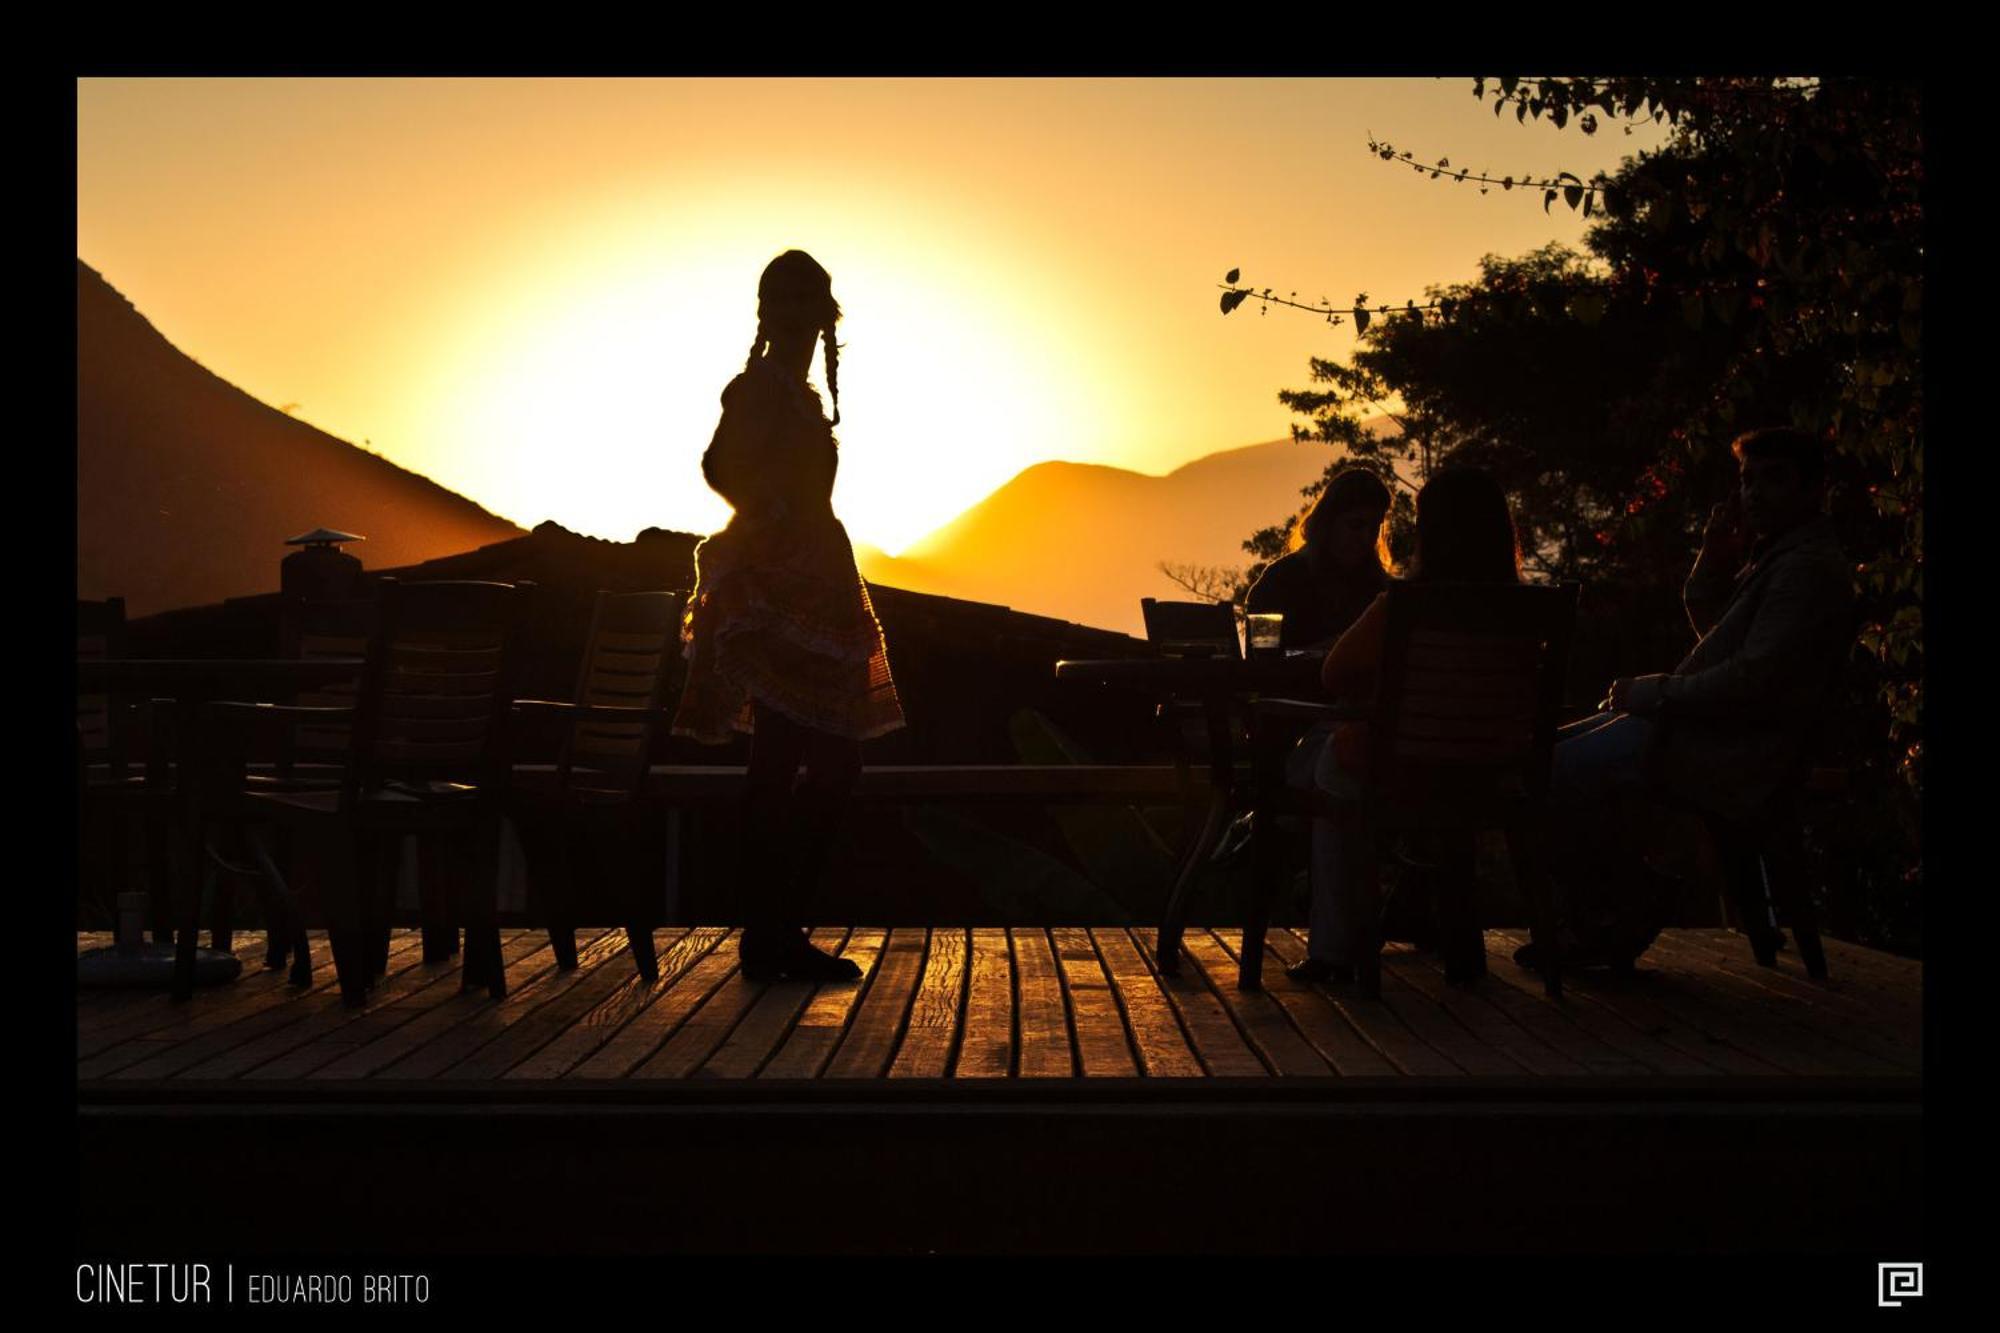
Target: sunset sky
(533, 291)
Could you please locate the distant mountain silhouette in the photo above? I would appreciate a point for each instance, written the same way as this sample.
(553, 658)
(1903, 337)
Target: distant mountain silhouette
(187, 487)
(1084, 542)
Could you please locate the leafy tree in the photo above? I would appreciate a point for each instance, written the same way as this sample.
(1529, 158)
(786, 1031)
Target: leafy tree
(1763, 266)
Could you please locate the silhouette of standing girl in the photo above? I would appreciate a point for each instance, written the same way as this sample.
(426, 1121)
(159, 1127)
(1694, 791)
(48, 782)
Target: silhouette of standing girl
(780, 636)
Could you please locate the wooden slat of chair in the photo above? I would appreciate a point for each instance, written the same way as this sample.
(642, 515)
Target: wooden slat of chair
(627, 662)
(315, 630)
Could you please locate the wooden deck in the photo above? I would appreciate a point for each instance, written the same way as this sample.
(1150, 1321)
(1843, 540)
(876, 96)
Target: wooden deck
(994, 1004)
(1009, 1090)
(1015, 1003)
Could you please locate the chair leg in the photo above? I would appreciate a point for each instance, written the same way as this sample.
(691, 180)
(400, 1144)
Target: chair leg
(162, 903)
(286, 919)
(559, 891)
(435, 906)
(222, 913)
(1167, 950)
(1364, 908)
(187, 940)
(1743, 873)
(1461, 943)
(1524, 849)
(1787, 880)
(483, 963)
(338, 855)
(1266, 859)
(272, 897)
(637, 891)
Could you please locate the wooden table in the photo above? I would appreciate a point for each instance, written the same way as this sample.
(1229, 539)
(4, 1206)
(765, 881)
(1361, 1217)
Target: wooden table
(181, 685)
(1218, 685)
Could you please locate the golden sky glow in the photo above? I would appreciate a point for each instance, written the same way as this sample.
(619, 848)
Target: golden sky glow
(533, 291)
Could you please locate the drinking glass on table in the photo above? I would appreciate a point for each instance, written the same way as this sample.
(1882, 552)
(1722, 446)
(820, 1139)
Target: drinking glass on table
(1265, 630)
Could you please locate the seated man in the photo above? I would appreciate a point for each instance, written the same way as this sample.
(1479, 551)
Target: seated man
(1727, 729)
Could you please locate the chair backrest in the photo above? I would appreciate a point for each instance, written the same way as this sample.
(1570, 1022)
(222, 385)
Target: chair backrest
(1177, 627)
(313, 631)
(629, 657)
(438, 684)
(100, 635)
(1472, 681)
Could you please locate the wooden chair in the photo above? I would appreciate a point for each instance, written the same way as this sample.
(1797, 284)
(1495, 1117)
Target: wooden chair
(313, 631)
(1197, 733)
(1762, 859)
(308, 755)
(591, 818)
(110, 786)
(1460, 736)
(428, 758)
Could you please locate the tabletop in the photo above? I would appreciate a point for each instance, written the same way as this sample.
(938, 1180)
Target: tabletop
(1296, 673)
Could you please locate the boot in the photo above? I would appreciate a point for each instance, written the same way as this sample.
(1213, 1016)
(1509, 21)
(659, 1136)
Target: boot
(805, 962)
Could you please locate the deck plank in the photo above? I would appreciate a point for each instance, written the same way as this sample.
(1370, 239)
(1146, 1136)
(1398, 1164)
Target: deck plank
(937, 1011)
(1380, 1026)
(1788, 1022)
(527, 957)
(1046, 1051)
(1353, 1036)
(1487, 1019)
(214, 1006)
(1688, 998)
(871, 1039)
(386, 1036)
(705, 960)
(1423, 1016)
(268, 1023)
(1488, 1024)
(1262, 1019)
(1103, 1044)
(481, 1019)
(327, 1021)
(757, 1036)
(600, 1023)
(1892, 1008)
(818, 1032)
(602, 967)
(1162, 1046)
(152, 1027)
(1641, 1016)
(1218, 1043)
(986, 1050)
(1571, 1050)
(1659, 1042)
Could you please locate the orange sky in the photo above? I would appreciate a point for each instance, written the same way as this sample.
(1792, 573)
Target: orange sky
(533, 291)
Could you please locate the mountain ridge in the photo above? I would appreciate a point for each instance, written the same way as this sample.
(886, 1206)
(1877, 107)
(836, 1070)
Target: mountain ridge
(1020, 545)
(188, 485)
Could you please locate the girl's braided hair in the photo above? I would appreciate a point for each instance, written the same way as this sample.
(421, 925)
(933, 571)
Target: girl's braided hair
(796, 289)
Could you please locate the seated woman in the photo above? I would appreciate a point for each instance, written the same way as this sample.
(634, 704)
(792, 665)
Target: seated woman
(1465, 534)
(1337, 563)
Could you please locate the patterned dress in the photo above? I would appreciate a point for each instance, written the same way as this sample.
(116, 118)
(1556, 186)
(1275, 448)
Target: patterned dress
(780, 615)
